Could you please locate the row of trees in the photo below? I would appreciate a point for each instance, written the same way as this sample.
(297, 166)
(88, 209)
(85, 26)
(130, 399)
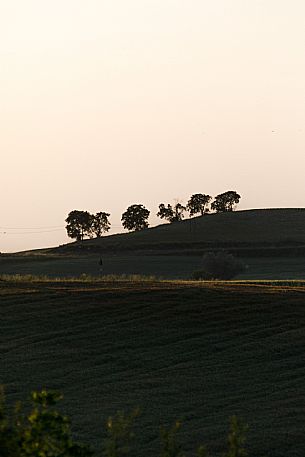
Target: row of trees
(82, 223)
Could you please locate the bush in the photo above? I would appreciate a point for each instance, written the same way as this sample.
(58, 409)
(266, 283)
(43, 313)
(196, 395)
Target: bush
(219, 265)
(45, 432)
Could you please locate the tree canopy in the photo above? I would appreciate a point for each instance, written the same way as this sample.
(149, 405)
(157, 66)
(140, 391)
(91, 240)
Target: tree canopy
(135, 217)
(198, 204)
(171, 213)
(225, 202)
(99, 224)
(82, 223)
(78, 224)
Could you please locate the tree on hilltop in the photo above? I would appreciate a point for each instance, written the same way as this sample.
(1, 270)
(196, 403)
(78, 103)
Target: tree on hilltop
(225, 202)
(99, 224)
(82, 223)
(135, 218)
(198, 204)
(78, 224)
(171, 213)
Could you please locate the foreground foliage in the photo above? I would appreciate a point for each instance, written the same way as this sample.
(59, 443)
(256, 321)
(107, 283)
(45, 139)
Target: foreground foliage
(45, 432)
(196, 351)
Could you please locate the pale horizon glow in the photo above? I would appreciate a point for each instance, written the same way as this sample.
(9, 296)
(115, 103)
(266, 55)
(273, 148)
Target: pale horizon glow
(108, 103)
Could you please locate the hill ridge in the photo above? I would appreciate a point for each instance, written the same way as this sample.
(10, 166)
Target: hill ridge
(277, 227)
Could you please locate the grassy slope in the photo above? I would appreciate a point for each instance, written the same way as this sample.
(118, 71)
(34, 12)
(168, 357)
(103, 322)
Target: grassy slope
(191, 351)
(250, 227)
(272, 243)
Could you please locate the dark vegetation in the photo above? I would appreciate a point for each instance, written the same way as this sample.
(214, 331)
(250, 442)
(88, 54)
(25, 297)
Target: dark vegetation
(135, 218)
(45, 432)
(171, 213)
(219, 265)
(225, 202)
(198, 203)
(190, 351)
(82, 223)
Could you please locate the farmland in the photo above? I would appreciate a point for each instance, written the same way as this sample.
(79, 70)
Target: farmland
(140, 333)
(160, 266)
(199, 352)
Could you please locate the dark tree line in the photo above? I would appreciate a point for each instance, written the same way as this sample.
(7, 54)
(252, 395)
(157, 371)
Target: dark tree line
(82, 224)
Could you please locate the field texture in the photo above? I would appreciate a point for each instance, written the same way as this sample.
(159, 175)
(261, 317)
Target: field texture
(196, 352)
(160, 266)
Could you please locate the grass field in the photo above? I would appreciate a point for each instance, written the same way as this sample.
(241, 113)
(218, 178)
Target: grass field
(194, 351)
(167, 267)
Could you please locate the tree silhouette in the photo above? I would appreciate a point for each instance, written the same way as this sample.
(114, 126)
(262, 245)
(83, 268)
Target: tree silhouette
(135, 218)
(226, 201)
(198, 204)
(171, 213)
(99, 224)
(78, 224)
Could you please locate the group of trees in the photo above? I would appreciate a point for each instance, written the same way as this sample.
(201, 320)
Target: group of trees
(82, 223)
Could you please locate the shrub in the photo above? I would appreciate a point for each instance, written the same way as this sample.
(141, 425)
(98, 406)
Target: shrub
(219, 265)
(45, 432)
(42, 432)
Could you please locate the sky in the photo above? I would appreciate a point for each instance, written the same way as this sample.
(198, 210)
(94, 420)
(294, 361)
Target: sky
(108, 103)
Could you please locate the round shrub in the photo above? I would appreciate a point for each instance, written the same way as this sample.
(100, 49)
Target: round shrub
(219, 265)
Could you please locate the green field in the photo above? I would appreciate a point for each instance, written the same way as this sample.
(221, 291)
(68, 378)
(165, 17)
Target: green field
(194, 351)
(160, 266)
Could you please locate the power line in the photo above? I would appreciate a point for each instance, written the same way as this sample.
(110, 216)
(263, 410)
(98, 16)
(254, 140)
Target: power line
(32, 228)
(29, 233)
(42, 228)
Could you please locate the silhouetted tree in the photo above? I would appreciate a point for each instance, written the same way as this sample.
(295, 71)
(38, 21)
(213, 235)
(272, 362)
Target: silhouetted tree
(171, 213)
(99, 224)
(135, 217)
(78, 224)
(198, 204)
(226, 201)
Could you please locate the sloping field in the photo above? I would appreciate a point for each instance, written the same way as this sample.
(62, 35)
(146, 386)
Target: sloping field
(263, 227)
(197, 352)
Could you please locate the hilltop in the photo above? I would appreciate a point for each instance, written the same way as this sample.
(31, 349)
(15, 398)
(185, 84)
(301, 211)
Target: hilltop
(249, 229)
(271, 243)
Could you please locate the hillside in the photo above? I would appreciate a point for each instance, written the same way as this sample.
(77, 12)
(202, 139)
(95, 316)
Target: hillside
(264, 228)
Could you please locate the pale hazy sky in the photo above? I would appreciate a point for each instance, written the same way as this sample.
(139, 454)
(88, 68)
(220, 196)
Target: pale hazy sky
(106, 103)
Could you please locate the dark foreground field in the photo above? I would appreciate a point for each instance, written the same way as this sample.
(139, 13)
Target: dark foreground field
(197, 352)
